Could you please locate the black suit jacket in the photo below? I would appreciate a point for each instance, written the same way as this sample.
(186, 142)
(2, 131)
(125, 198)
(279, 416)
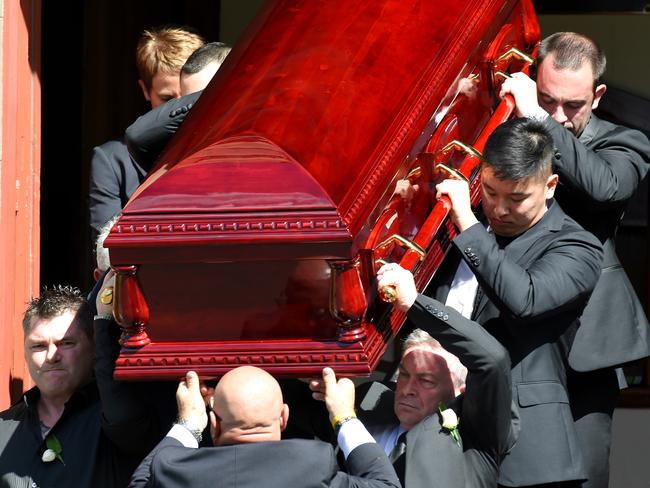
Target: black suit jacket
(118, 167)
(488, 425)
(534, 289)
(114, 176)
(148, 135)
(599, 172)
(292, 463)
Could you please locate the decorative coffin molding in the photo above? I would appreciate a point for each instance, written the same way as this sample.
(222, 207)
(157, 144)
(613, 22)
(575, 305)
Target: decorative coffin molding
(310, 159)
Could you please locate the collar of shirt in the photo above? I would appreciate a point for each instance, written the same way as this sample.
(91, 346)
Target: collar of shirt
(387, 435)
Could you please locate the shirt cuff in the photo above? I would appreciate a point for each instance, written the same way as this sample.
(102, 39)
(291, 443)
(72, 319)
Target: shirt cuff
(351, 435)
(182, 435)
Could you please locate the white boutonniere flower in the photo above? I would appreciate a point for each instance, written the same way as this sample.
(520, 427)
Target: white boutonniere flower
(53, 450)
(48, 456)
(449, 422)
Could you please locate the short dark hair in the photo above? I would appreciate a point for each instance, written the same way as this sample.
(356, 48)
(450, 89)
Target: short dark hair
(56, 301)
(570, 50)
(212, 52)
(519, 149)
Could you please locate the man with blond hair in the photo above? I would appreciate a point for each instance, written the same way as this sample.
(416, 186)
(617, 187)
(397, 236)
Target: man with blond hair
(114, 174)
(160, 56)
(148, 135)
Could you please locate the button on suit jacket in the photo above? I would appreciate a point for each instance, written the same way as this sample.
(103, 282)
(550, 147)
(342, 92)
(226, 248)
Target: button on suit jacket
(534, 290)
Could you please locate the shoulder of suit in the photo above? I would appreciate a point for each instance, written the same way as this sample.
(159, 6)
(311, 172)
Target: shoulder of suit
(376, 400)
(115, 150)
(598, 130)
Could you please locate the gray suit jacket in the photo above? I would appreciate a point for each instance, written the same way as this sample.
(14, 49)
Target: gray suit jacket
(114, 176)
(292, 463)
(534, 289)
(599, 173)
(487, 423)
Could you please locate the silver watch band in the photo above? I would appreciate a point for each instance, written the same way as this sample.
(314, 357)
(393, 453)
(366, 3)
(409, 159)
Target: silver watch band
(197, 433)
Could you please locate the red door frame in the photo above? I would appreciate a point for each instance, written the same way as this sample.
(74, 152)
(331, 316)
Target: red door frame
(19, 186)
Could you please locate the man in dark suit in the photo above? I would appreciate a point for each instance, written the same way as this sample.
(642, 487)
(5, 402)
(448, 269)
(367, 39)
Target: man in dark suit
(466, 369)
(114, 175)
(600, 167)
(525, 279)
(149, 134)
(246, 420)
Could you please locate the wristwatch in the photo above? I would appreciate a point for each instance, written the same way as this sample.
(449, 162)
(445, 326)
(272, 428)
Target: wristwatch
(197, 433)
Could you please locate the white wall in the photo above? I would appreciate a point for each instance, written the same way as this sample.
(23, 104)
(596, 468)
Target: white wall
(630, 456)
(625, 38)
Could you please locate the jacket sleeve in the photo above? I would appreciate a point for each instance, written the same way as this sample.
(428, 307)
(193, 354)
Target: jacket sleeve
(560, 278)
(486, 409)
(104, 190)
(368, 467)
(148, 135)
(142, 475)
(127, 417)
(610, 170)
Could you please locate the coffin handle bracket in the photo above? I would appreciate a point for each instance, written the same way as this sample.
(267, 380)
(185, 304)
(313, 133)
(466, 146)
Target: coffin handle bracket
(515, 53)
(388, 293)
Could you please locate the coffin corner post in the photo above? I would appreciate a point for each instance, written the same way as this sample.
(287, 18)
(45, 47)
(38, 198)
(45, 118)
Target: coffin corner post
(347, 300)
(131, 310)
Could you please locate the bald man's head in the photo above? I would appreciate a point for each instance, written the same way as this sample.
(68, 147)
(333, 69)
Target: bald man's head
(248, 406)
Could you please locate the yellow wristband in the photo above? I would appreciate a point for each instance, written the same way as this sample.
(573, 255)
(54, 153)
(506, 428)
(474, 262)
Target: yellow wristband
(339, 420)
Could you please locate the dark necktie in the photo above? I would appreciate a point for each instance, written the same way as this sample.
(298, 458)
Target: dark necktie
(398, 456)
(477, 300)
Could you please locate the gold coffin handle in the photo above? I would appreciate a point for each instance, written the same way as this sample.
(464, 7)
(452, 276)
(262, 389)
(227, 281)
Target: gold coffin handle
(513, 52)
(388, 293)
(456, 145)
(453, 173)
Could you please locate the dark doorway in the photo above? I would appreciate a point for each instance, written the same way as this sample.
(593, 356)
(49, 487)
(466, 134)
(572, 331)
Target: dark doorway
(90, 95)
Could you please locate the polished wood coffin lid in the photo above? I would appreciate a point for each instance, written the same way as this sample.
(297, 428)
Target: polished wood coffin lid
(248, 242)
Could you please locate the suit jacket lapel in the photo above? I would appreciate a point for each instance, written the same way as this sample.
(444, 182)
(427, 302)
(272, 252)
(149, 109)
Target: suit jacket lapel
(590, 131)
(433, 460)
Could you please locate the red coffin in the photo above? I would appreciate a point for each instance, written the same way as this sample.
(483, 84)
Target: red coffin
(310, 158)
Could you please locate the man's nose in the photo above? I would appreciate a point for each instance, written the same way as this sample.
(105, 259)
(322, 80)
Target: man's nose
(501, 208)
(52, 353)
(409, 387)
(558, 115)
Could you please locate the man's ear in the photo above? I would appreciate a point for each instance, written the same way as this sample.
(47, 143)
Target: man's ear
(284, 417)
(145, 90)
(598, 94)
(215, 427)
(97, 274)
(551, 184)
